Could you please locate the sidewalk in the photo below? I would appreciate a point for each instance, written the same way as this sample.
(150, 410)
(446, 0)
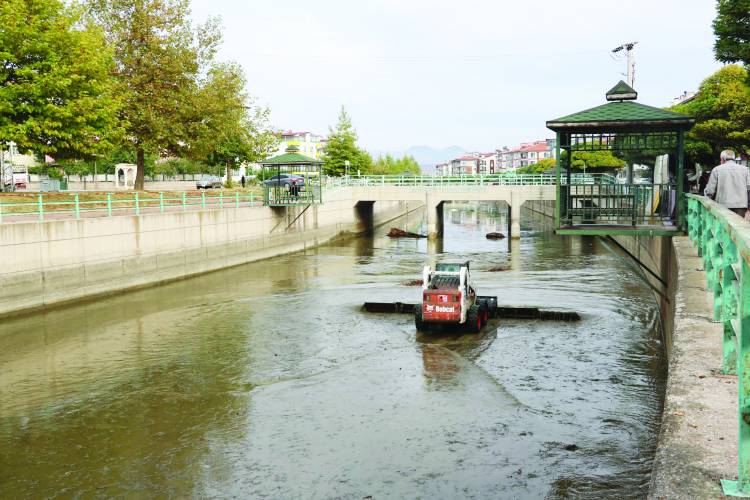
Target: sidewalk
(698, 440)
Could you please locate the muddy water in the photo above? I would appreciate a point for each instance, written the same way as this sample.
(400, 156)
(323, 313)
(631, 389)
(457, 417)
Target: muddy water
(267, 380)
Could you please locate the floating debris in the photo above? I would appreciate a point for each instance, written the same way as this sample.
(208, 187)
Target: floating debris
(498, 269)
(412, 283)
(495, 236)
(400, 233)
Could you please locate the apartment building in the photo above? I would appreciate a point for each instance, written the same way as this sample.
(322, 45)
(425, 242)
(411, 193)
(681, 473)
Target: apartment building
(465, 165)
(527, 153)
(309, 144)
(487, 163)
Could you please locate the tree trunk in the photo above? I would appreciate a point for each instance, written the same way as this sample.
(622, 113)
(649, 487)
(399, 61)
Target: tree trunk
(140, 174)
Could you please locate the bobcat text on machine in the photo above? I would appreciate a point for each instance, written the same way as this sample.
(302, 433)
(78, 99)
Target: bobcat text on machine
(450, 298)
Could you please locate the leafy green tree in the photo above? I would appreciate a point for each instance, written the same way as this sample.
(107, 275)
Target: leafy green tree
(342, 147)
(56, 94)
(721, 109)
(539, 167)
(593, 160)
(389, 165)
(732, 30)
(225, 129)
(159, 57)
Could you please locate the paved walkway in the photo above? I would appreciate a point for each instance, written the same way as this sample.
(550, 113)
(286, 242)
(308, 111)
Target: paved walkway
(698, 441)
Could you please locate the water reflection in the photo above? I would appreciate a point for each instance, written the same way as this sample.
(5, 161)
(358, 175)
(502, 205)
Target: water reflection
(268, 380)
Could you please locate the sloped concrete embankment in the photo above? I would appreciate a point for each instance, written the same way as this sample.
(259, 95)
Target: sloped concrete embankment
(54, 262)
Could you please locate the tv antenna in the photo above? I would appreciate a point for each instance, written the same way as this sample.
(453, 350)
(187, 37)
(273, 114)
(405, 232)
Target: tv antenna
(628, 48)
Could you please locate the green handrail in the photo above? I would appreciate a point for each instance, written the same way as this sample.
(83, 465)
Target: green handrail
(42, 206)
(723, 242)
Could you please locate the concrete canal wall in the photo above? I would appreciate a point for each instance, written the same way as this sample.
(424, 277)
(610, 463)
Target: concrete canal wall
(58, 261)
(697, 444)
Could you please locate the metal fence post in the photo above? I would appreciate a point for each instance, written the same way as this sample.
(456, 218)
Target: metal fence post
(77, 207)
(109, 204)
(41, 208)
(203, 200)
(221, 199)
(184, 200)
(137, 205)
(161, 201)
(236, 199)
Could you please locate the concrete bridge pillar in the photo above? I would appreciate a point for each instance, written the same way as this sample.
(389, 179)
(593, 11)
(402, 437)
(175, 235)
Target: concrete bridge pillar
(515, 214)
(434, 207)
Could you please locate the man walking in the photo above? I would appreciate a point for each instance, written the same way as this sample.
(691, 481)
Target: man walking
(729, 184)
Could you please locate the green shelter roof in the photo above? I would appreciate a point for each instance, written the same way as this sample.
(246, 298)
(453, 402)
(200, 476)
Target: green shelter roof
(618, 115)
(622, 92)
(291, 157)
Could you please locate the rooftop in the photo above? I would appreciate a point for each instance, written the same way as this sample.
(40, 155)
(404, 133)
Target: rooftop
(621, 113)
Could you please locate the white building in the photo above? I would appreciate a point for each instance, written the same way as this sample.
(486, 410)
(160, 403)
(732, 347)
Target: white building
(309, 144)
(528, 153)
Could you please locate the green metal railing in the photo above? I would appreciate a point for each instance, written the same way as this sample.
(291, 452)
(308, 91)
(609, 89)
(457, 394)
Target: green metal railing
(436, 181)
(723, 242)
(621, 204)
(277, 196)
(43, 207)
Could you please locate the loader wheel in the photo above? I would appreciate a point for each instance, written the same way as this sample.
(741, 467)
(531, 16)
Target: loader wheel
(418, 322)
(474, 319)
(485, 314)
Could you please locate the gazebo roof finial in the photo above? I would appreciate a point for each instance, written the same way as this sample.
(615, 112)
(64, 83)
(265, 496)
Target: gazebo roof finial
(622, 92)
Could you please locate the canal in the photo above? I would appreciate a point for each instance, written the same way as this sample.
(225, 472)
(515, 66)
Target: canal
(266, 380)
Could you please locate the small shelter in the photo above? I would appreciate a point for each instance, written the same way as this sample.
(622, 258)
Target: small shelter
(638, 134)
(125, 174)
(296, 179)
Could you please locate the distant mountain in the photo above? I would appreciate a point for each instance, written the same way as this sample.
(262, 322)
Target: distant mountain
(426, 156)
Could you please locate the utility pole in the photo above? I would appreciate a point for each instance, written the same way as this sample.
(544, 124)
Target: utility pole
(628, 48)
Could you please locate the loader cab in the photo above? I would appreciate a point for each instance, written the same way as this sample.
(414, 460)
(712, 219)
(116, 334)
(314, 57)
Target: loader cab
(451, 267)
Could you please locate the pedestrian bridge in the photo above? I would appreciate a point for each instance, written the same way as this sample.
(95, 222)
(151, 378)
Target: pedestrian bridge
(434, 198)
(434, 191)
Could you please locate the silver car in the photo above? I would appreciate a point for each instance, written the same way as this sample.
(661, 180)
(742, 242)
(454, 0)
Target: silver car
(209, 182)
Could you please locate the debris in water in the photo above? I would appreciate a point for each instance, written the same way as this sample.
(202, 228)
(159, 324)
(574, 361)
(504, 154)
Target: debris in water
(495, 236)
(412, 283)
(498, 269)
(400, 233)
(571, 447)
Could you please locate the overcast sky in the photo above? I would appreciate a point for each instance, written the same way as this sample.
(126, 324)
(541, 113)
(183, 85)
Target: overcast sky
(477, 74)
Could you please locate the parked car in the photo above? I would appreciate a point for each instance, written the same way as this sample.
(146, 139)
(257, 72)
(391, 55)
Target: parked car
(284, 180)
(209, 182)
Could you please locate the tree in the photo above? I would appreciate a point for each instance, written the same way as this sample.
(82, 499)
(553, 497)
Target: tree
(539, 167)
(56, 95)
(342, 147)
(732, 30)
(389, 165)
(159, 57)
(721, 109)
(225, 129)
(593, 160)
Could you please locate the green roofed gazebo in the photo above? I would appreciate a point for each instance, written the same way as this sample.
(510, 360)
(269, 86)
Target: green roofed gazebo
(295, 179)
(650, 141)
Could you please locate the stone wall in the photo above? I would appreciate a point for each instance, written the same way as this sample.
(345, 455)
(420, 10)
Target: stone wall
(58, 261)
